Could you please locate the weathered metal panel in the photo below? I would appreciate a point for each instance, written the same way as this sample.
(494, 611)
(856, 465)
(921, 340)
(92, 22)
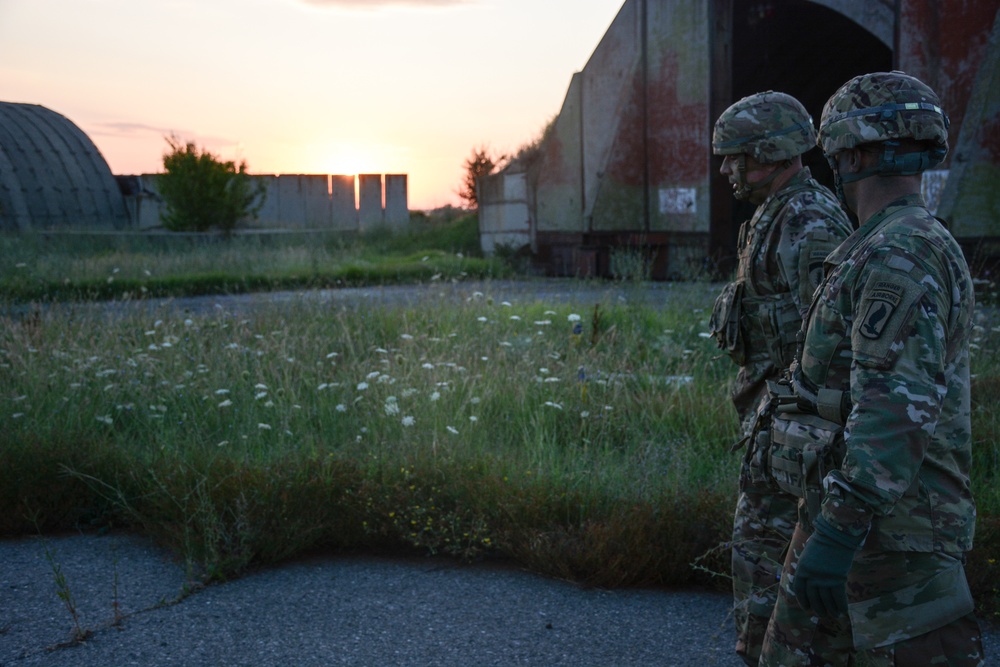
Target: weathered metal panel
(970, 200)
(943, 44)
(557, 179)
(53, 175)
(606, 84)
(370, 201)
(679, 103)
(656, 177)
(343, 207)
(397, 210)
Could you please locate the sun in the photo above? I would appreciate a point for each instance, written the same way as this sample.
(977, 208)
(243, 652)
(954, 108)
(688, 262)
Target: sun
(347, 159)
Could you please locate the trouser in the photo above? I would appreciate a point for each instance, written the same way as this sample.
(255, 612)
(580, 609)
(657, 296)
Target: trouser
(762, 528)
(795, 637)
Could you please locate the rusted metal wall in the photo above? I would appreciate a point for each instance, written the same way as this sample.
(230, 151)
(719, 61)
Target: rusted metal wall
(656, 173)
(955, 48)
(628, 162)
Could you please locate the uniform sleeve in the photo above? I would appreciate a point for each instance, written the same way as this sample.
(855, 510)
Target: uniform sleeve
(897, 387)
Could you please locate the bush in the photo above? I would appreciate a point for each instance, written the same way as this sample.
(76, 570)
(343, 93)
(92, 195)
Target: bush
(201, 192)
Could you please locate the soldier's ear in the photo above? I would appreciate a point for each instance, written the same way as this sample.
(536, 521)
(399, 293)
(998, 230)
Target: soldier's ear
(851, 161)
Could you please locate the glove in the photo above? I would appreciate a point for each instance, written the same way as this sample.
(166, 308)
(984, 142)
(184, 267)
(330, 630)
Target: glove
(820, 582)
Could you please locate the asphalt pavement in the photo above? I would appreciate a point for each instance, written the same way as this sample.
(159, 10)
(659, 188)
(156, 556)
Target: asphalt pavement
(134, 607)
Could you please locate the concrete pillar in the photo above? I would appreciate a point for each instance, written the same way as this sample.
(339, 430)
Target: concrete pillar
(397, 210)
(269, 215)
(290, 209)
(315, 189)
(370, 201)
(343, 208)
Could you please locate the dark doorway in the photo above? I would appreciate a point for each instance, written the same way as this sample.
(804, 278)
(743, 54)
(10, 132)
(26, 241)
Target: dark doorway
(795, 47)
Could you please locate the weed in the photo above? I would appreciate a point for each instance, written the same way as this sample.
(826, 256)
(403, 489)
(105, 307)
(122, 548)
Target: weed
(65, 594)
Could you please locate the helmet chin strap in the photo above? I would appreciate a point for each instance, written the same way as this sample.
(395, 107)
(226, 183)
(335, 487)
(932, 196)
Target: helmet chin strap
(838, 188)
(744, 188)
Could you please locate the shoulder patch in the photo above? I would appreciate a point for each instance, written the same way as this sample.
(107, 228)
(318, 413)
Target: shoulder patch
(888, 303)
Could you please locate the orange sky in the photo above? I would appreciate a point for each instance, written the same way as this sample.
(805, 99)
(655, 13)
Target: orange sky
(303, 86)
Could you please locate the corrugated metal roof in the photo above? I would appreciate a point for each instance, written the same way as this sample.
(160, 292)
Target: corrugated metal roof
(52, 175)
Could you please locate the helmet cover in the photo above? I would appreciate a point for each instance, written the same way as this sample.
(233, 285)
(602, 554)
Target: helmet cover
(770, 127)
(885, 107)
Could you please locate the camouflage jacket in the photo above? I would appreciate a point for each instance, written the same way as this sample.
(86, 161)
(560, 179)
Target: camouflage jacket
(781, 252)
(891, 326)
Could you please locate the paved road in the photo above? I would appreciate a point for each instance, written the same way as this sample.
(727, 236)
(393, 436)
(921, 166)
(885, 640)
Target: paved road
(360, 611)
(582, 294)
(339, 610)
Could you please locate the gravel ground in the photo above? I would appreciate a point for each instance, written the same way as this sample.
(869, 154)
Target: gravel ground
(369, 612)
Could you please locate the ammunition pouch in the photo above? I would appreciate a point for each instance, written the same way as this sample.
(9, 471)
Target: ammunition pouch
(771, 325)
(804, 448)
(724, 324)
(792, 448)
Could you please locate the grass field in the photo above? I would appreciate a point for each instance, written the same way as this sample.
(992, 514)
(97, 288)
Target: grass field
(586, 441)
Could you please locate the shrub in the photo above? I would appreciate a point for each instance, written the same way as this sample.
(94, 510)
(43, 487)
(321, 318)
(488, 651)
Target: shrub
(200, 191)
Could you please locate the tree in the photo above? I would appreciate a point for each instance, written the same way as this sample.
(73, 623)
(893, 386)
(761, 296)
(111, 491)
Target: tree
(480, 163)
(201, 192)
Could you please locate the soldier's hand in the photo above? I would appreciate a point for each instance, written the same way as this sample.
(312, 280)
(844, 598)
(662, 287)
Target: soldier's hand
(820, 581)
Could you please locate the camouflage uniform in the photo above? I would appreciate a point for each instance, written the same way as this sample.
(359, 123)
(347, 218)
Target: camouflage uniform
(885, 362)
(781, 252)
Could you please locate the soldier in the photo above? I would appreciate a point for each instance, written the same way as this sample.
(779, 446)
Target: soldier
(875, 431)
(756, 317)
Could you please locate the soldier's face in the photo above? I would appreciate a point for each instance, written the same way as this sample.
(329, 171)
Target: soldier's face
(743, 184)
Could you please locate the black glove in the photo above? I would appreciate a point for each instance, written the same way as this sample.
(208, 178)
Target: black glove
(820, 582)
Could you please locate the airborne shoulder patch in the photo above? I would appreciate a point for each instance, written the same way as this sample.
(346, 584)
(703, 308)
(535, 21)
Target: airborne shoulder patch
(886, 311)
(881, 302)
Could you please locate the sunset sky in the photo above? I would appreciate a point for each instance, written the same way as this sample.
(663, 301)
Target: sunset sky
(303, 86)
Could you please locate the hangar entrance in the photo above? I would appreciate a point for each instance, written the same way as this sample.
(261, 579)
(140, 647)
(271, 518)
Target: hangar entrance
(792, 46)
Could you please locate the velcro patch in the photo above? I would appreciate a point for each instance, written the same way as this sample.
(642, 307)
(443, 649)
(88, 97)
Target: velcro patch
(888, 304)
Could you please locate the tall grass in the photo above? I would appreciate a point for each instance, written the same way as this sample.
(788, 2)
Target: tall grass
(487, 427)
(48, 266)
(586, 442)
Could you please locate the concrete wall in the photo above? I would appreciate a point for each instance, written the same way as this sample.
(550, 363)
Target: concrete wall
(504, 219)
(302, 201)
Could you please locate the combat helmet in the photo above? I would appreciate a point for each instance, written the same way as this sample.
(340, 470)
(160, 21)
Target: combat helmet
(882, 108)
(770, 127)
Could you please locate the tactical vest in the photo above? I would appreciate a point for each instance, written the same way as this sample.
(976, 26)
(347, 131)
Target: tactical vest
(802, 424)
(751, 323)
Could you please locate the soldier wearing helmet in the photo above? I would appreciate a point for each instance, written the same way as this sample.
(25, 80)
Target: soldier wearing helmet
(756, 318)
(875, 422)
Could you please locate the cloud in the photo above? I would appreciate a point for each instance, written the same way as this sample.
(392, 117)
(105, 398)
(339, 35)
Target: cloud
(126, 129)
(120, 129)
(379, 4)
